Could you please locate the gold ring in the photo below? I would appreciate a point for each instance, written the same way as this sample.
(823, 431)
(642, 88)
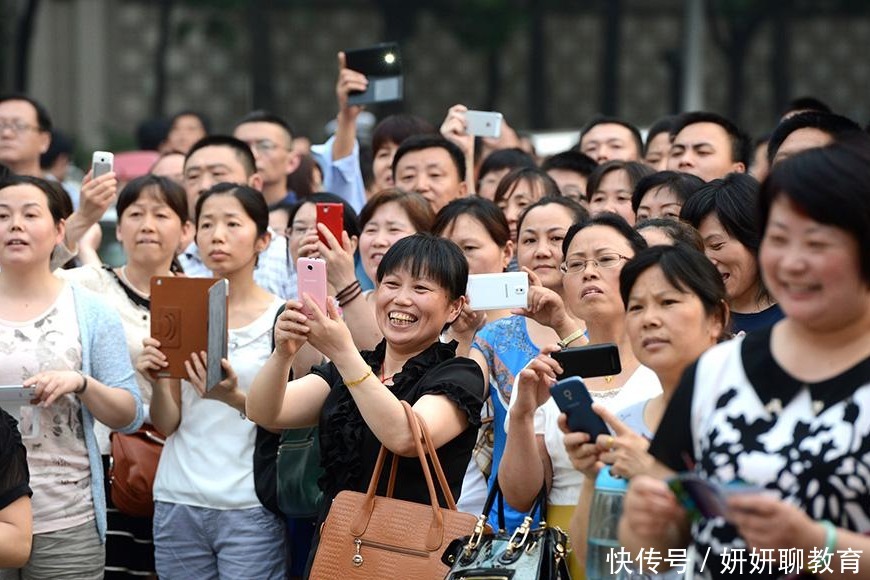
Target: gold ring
(610, 442)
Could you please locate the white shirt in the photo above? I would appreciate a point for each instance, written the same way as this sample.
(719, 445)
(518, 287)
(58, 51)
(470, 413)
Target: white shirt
(641, 385)
(209, 460)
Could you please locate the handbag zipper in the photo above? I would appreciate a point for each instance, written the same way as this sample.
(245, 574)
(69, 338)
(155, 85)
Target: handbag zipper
(359, 543)
(294, 445)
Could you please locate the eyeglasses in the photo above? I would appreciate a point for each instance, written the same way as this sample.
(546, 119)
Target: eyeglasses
(606, 261)
(17, 127)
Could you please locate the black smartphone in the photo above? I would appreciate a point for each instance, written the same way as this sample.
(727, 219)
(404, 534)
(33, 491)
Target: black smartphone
(574, 400)
(382, 65)
(592, 360)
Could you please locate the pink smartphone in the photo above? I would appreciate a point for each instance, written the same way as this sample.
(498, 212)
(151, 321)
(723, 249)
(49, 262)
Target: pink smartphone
(311, 280)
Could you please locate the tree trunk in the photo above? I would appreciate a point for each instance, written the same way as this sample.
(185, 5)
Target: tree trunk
(493, 80)
(260, 39)
(610, 58)
(158, 102)
(23, 38)
(537, 118)
(780, 61)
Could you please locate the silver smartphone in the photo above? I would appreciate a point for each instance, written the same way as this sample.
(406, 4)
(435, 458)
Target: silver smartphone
(497, 291)
(103, 162)
(483, 123)
(16, 394)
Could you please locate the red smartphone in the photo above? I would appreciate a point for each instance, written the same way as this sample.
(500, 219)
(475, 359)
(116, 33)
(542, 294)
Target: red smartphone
(332, 216)
(311, 280)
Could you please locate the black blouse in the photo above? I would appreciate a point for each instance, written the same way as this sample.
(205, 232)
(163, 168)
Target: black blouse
(349, 449)
(14, 475)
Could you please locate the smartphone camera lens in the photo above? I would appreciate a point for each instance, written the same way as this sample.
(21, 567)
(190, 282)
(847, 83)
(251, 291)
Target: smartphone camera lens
(310, 267)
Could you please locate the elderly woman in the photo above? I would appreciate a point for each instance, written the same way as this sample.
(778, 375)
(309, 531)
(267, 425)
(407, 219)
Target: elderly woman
(355, 398)
(786, 409)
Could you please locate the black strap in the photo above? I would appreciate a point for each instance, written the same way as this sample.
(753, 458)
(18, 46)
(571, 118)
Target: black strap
(134, 296)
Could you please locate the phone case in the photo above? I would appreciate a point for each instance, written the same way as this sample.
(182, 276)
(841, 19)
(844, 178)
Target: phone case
(593, 360)
(496, 291)
(382, 66)
(574, 400)
(103, 162)
(332, 216)
(311, 280)
(483, 123)
(190, 315)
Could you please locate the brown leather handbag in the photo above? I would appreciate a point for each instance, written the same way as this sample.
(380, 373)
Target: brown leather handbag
(366, 536)
(133, 468)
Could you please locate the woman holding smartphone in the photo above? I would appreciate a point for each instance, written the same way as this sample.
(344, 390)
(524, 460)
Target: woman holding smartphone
(60, 339)
(355, 398)
(786, 409)
(676, 308)
(208, 522)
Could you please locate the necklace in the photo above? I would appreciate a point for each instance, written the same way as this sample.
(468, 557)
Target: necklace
(123, 272)
(383, 378)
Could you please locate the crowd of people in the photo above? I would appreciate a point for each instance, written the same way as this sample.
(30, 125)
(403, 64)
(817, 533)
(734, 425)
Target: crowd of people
(735, 283)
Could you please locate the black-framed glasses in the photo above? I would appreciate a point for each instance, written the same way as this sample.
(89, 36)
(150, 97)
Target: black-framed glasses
(606, 261)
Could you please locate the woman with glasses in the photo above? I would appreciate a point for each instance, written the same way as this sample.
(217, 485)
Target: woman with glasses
(535, 455)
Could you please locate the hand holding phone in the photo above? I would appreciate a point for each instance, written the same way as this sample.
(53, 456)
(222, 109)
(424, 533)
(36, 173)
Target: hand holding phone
(332, 216)
(382, 66)
(574, 400)
(483, 123)
(706, 499)
(497, 291)
(592, 360)
(311, 280)
(102, 163)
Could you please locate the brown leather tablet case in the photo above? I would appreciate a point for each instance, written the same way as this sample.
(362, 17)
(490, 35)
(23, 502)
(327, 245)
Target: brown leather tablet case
(190, 315)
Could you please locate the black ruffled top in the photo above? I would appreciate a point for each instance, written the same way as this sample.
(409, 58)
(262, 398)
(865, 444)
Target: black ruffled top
(14, 475)
(348, 447)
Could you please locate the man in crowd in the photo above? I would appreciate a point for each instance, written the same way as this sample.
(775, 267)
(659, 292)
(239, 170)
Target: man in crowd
(707, 145)
(432, 166)
(608, 138)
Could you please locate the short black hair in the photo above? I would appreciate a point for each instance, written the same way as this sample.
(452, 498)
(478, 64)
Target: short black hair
(678, 231)
(239, 147)
(58, 200)
(687, 270)
(203, 120)
(604, 120)
(577, 211)
(831, 185)
(663, 125)
(151, 133)
(682, 184)
(397, 128)
(806, 103)
(477, 208)
(424, 255)
(534, 175)
(741, 147)
(252, 202)
(420, 142)
(570, 161)
(635, 170)
(505, 159)
(610, 220)
(171, 193)
(43, 119)
(733, 201)
(262, 116)
(834, 125)
(61, 143)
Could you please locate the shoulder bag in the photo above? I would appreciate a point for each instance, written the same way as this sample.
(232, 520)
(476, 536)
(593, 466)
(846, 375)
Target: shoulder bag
(539, 553)
(371, 537)
(299, 496)
(132, 469)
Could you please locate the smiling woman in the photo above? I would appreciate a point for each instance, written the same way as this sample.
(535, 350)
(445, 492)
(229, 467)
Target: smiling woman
(355, 399)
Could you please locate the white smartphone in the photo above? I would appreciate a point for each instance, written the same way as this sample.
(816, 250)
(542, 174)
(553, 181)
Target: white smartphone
(103, 162)
(16, 394)
(483, 123)
(496, 291)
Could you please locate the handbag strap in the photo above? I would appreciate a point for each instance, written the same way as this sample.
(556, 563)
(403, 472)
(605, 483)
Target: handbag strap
(436, 464)
(540, 504)
(435, 536)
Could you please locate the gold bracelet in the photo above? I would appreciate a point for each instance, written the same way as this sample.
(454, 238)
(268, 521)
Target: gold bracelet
(351, 384)
(571, 337)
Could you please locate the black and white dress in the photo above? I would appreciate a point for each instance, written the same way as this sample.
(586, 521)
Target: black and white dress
(738, 415)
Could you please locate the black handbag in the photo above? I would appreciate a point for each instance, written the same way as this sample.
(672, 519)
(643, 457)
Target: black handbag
(527, 554)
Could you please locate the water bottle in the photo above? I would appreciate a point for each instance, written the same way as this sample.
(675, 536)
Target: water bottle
(603, 532)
